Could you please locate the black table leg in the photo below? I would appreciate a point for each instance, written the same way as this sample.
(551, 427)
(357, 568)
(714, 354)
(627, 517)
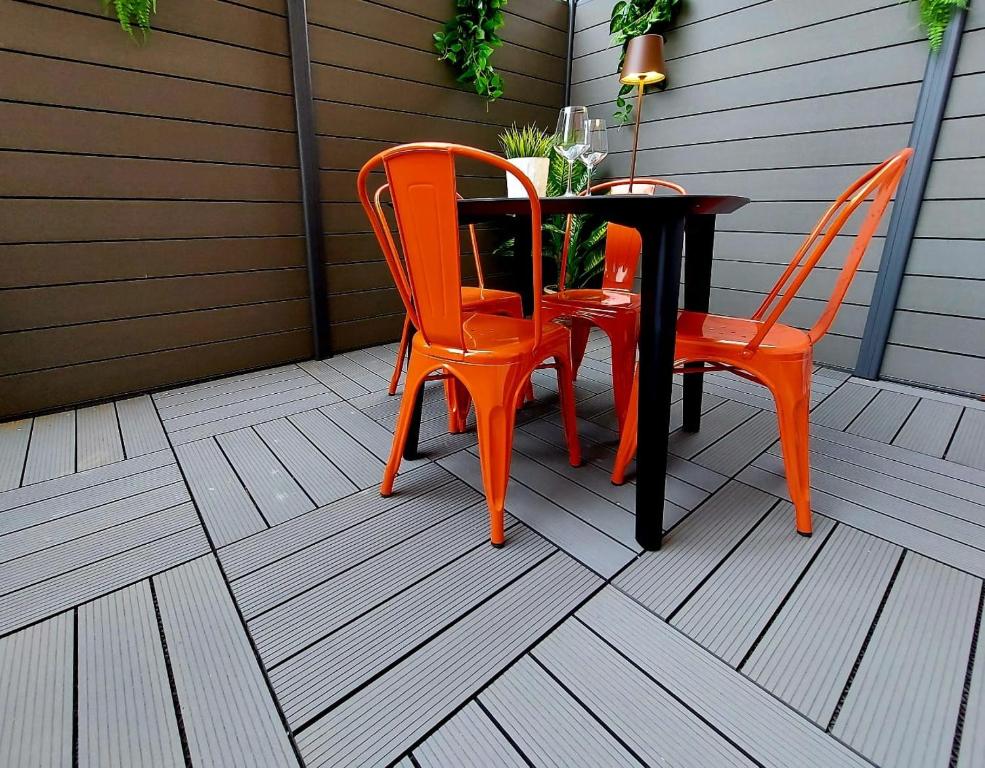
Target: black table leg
(523, 270)
(697, 288)
(661, 277)
(414, 433)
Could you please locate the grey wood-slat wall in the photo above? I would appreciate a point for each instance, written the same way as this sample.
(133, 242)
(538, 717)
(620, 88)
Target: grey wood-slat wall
(781, 101)
(377, 82)
(150, 222)
(938, 332)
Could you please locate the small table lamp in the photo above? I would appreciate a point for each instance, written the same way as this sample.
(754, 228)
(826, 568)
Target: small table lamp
(643, 65)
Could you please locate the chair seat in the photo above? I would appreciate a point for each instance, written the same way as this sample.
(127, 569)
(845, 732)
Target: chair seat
(594, 298)
(698, 331)
(472, 295)
(497, 338)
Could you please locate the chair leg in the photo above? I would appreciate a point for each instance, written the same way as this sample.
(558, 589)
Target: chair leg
(566, 389)
(579, 341)
(627, 441)
(793, 416)
(401, 354)
(416, 373)
(459, 401)
(623, 366)
(495, 415)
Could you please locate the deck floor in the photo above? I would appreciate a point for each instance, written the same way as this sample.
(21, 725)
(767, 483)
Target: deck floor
(209, 577)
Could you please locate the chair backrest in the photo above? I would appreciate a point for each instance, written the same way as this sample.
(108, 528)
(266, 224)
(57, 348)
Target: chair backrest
(622, 244)
(422, 184)
(879, 183)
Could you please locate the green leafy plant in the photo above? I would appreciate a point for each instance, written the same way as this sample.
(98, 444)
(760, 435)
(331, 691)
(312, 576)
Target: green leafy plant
(133, 13)
(935, 15)
(528, 141)
(467, 43)
(632, 18)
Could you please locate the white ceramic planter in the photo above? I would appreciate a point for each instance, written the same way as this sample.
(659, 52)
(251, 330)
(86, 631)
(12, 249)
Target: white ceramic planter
(535, 168)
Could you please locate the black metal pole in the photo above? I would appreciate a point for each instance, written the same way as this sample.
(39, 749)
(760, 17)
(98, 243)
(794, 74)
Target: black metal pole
(571, 45)
(909, 198)
(297, 24)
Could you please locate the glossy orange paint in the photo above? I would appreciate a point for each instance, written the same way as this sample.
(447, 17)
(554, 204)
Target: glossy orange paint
(773, 354)
(614, 307)
(490, 357)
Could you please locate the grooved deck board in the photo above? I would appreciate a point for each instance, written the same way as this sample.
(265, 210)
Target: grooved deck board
(843, 405)
(735, 604)
(655, 725)
(226, 508)
(230, 719)
(469, 739)
(14, 439)
(375, 438)
(359, 465)
(36, 695)
(902, 706)
(140, 426)
(51, 453)
(715, 424)
(126, 715)
(969, 439)
(883, 416)
(806, 655)
(337, 665)
(972, 750)
(740, 446)
(364, 377)
(98, 436)
(548, 726)
(341, 385)
(382, 720)
(226, 385)
(929, 427)
(760, 725)
(662, 581)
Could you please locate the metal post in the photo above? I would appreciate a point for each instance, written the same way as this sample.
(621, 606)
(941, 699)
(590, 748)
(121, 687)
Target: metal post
(909, 198)
(571, 45)
(297, 24)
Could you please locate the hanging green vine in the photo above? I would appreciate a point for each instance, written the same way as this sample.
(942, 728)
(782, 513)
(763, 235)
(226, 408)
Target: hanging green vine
(632, 18)
(133, 13)
(467, 43)
(935, 15)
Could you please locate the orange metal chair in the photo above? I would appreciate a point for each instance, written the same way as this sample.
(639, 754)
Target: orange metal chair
(489, 356)
(614, 307)
(772, 354)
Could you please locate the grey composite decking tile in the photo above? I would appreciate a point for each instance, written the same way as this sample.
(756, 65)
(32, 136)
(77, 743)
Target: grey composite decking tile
(371, 362)
(589, 545)
(840, 408)
(359, 465)
(14, 439)
(271, 487)
(883, 416)
(663, 580)
(740, 446)
(227, 510)
(282, 579)
(339, 664)
(69, 556)
(755, 399)
(765, 475)
(735, 604)
(376, 439)
(655, 725)
(763, 727)
(51, 453)
(968, 445)
(54, 532)
(226, 384)
(972, 751)
(98, 436)
(230, 718)
(140, 426)
(360, 374)
(806, 656)
(929, 427)
(278, 634)
(547, 725)
(83, 481)
(126, 714)
(715, 424)
(383, 719)
(341, 385)
(272, 544)
(320, 478)
(903, 703)
(69, 504)
(36, 695)
(223, 404)
(468, 740)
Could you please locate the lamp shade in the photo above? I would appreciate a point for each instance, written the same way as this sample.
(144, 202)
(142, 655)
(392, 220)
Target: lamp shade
(644, 62)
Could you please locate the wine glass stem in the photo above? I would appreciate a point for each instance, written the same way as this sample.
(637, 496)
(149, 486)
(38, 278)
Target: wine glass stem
(588, 178)
(571, 168)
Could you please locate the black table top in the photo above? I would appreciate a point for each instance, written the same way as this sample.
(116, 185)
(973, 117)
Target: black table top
(628, 208)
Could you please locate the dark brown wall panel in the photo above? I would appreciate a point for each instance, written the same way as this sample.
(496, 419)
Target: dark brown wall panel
(377, 82)
(150, 222)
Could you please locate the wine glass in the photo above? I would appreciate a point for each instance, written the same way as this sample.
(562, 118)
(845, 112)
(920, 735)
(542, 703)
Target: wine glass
(571, 138)
(596, 149)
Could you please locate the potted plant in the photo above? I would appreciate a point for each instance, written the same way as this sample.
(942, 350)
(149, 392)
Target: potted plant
(529, 149)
